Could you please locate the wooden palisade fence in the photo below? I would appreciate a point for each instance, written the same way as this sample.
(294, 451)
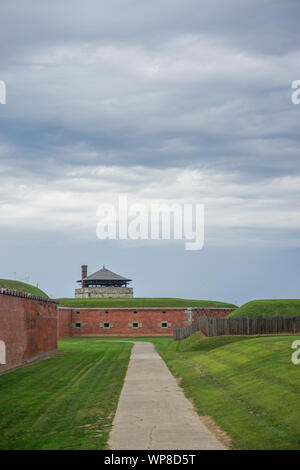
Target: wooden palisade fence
(245, 326)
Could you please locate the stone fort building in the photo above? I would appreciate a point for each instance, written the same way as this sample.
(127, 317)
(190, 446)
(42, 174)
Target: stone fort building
(103, 284)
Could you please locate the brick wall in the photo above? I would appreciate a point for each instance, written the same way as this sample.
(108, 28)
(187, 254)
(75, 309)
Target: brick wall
(128, 321)
(211, 312)
(28, 327)
(65, 323)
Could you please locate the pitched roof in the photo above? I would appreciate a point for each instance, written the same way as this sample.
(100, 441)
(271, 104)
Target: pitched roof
(105, 275)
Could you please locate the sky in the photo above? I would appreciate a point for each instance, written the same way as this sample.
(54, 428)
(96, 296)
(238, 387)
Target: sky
(178, 102)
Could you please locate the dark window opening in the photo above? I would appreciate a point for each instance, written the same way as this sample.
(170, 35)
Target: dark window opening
(107, 312)
(164, 324)
(77, 312)
(77, 325)
(135, 311)
(164, 311)
(106, 325)
(135, 325)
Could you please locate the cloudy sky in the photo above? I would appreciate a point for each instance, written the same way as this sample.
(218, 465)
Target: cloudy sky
(181, 102)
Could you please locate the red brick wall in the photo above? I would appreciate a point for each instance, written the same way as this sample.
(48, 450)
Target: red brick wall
(65, 323)
(120, 319)
(211, 312)
(28, 326)
(90, 320)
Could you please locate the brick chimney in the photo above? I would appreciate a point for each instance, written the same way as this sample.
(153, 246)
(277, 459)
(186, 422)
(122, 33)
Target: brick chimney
(84, 269)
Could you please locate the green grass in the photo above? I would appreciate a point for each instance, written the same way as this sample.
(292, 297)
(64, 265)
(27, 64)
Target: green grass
(66, 402)
(141, 302)
(268, 308)
(21, 287)
(248, 386)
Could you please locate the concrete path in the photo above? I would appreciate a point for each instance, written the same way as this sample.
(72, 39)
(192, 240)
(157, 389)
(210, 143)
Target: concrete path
(153, 412)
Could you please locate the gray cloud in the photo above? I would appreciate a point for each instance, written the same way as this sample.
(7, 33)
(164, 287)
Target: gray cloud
(268, 25)
(180, 101)
(162, 87)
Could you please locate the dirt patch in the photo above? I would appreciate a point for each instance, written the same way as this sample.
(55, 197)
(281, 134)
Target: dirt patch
(202, 335)
(212, 426)
(223, 437)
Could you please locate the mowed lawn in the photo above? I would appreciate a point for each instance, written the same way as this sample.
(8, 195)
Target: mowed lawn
(66, 402)
(140, 302)
(248, 385)
(21, 287)
(268, 308)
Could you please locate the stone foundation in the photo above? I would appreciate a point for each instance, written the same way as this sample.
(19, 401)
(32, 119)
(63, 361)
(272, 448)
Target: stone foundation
(103, 292)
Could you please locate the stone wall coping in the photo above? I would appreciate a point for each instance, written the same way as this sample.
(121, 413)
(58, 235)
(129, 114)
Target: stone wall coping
(213, 308)
(103, 288)
(24, 295)
(147, 308)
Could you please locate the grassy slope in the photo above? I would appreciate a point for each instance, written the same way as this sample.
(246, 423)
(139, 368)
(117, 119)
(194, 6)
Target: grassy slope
(142, 302)
(21, 287)
(268, 308)
(66, 402)
(249, 386)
